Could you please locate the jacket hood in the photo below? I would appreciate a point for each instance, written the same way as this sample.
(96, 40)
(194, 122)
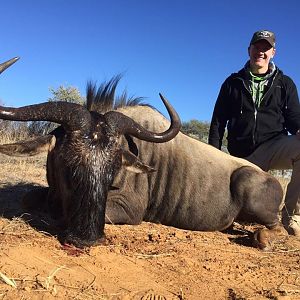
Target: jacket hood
(245, 74)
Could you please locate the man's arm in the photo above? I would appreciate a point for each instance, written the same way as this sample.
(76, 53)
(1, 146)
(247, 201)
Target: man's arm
(219, 118)
(292, 108)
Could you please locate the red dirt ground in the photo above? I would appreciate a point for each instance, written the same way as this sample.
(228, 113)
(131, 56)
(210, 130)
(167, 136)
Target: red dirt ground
(147, 262)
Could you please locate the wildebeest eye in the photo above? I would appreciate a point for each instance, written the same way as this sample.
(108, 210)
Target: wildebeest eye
(95, 135)
(99, 124)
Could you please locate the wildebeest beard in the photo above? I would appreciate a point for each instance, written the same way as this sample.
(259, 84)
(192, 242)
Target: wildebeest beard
(86, 180)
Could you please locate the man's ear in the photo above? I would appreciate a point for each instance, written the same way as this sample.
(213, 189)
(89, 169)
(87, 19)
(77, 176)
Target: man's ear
(133, 164)
(273, 52)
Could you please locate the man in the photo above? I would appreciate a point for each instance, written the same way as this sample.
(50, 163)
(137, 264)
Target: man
(260, 107)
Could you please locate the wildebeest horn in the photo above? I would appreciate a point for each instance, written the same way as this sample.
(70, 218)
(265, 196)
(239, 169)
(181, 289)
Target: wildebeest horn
(7, 64)
(71, 116)
(126, 125)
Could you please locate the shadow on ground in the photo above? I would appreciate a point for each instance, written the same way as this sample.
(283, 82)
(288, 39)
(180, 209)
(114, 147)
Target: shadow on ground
(11, 196)
(238, 234)
(11, 207)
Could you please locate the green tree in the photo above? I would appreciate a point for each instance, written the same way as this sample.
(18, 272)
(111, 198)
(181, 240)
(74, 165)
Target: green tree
(67, 94)
(196, 129)
(199, 130)
(62, 93)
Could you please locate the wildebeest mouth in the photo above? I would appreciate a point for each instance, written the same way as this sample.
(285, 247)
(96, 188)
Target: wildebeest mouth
(68, 239)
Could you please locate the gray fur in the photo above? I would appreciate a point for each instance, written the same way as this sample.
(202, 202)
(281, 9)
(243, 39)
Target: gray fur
(195, 186)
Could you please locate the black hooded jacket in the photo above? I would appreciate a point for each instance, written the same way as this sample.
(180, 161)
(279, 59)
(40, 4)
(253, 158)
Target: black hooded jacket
(249, 126)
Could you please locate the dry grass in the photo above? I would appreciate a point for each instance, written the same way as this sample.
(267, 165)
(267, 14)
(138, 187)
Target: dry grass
(11, 131)
(7, 280)
(14, 169)
(284, 182)
(19, 168)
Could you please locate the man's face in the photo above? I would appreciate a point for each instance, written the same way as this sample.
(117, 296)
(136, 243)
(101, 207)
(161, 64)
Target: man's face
(260, 54)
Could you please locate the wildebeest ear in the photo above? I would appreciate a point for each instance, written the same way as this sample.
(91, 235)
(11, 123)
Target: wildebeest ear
(133, 164)
(131, 145)
(113, 188)
(29, 147)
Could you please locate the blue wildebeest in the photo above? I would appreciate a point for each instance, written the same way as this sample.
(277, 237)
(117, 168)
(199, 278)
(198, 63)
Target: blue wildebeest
(194, 186)
(84, 156)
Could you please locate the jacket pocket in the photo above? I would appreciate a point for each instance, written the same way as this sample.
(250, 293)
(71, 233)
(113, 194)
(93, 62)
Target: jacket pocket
(240, 146)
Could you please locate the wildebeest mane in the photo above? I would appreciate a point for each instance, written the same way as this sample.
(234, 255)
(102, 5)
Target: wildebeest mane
(104, 98)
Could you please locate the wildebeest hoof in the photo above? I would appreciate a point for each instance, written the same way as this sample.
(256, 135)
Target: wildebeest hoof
(266, 239)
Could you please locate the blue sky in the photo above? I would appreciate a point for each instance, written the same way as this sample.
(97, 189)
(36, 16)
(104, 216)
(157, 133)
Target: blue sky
(183, 49)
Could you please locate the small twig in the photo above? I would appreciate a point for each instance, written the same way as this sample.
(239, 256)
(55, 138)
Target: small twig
(8, 281)
(49, 278)
(283, 251)
(181, 297)
(153, 255)
(44, 290)
(47, 261)
(110, 221)
(90, 284)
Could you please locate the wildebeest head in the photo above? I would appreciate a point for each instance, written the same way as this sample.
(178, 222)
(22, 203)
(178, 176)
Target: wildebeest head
(84, 157)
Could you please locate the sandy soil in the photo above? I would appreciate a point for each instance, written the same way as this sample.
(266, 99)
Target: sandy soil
(149, 261)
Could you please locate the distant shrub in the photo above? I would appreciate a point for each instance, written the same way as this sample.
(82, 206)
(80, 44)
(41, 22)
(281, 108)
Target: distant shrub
(11, 131)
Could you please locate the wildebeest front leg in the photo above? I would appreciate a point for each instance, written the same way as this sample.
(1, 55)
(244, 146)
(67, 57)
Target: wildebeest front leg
(127, 205)
(260, 195)
(120, 209)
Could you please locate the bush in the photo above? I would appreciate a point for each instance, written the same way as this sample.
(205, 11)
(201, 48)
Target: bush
(11, 131)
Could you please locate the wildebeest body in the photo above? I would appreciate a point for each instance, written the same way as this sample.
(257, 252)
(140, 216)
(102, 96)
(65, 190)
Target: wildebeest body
(195, 186)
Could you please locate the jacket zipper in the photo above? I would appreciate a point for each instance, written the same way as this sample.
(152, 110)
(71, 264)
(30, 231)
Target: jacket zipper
(255, 109)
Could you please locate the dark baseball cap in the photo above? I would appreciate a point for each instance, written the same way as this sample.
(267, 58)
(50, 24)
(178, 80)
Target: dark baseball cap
(267, 35)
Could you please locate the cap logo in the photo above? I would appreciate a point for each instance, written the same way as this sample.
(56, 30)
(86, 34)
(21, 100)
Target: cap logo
(264, 34)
